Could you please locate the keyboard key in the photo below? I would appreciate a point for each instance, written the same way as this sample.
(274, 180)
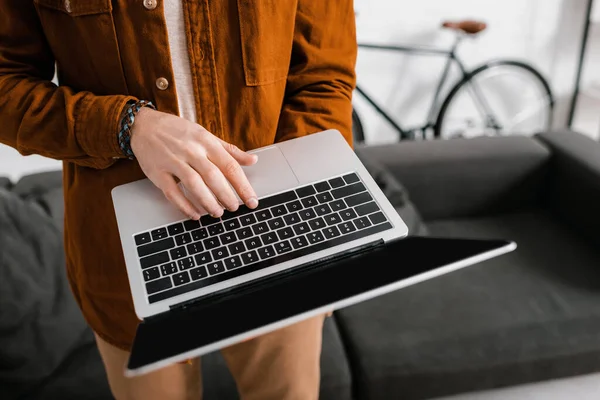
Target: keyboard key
(198, 273)
(250, 257)
(358, 199)
(199, 234)
(236, 248)
(309, 202)
(242, 210)
(151, 273)
(231, 224)
(331, 232)
(216, 229)
(291, 219)
(276, 223)
(168, 269)
(307, 214)
(203, 258)
(277, 199)
(159, 285)
(324, 197)
(183, 239)
(220, 253)
(348, 214)
(285, 233)
(266, 252)
(337, 205)
(332, 219)
(227, 238)
(244, 233)
(315, 237)
(301, 228)
(299, 242)
(155, 259)
(294, 206)
(260, 228)
(346, 227)
(336, 182)
(233, 262)
(186, 263)
(181, 278)
(248, 220)
(194, 248)
(207, 220)
(377, 218)
(322, 186)
(253, 243)
(283, 247)
(155, 247)
(322, 209)
(362, 223)
(175, 229)
(348, 190)
(159, 233)
(142, 238)
(211, 243)
(178, 253)
(368, 208)
(215, 267)
(351, 178)
(269, 238)
(279, 210)
(317, 224)
(191, 224)
(263, 215)
(306, 191)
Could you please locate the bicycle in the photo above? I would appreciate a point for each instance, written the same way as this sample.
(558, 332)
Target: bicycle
(476, 104)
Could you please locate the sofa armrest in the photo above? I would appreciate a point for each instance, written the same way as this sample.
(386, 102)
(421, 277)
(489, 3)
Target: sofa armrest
(574, 190)
(467, 177)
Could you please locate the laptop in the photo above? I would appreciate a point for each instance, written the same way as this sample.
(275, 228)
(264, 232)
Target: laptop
(321, 219)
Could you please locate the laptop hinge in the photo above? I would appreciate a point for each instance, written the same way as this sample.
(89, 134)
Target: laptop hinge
(302, 268)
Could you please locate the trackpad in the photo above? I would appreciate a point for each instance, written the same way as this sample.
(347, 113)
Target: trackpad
(271, 173)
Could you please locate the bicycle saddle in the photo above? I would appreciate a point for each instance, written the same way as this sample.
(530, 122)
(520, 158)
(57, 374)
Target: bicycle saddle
(468, 26)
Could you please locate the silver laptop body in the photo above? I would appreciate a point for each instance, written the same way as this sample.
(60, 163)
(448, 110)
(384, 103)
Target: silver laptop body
(326, 204)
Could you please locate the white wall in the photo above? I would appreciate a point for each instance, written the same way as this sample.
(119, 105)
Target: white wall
(543, 32)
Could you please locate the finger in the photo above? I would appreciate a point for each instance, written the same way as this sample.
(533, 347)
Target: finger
(240, 156)
(173, 193)
(199, 192)
(233, 172)
(216, 182)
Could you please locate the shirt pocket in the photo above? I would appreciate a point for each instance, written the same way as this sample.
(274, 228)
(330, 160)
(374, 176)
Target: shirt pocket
(83, 38)
(267, 35)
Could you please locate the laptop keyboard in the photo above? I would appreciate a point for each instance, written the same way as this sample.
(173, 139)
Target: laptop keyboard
(189, 255)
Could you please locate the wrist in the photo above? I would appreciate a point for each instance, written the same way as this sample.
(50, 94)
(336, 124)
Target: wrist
(132, 110)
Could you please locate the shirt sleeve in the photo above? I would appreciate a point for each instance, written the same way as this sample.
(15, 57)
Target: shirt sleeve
(38, 117)
(322, 72)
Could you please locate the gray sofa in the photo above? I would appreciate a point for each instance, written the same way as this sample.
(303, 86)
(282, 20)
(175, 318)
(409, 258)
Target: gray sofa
(529, 316)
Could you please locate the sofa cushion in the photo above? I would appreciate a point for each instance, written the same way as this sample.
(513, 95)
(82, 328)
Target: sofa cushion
(41, 327)
(527, 316)
(335, 373)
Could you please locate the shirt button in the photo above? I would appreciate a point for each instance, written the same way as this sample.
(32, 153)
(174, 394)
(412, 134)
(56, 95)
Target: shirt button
(162, 83)
(68, 6)
(150, 4)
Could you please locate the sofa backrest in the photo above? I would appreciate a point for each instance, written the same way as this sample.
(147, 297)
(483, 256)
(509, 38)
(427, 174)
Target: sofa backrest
(573, 192)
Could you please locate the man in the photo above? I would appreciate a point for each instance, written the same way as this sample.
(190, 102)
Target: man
(171, 90)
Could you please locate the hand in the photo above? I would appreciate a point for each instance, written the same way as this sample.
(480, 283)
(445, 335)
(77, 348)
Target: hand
(168, 147)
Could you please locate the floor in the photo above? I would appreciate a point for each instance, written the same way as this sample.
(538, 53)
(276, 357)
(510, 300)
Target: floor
(585, 387)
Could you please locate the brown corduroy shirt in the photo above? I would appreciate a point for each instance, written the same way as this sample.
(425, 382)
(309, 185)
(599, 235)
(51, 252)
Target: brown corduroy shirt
(263, 71)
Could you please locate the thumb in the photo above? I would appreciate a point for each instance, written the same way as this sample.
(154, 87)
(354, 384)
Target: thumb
(240, 156)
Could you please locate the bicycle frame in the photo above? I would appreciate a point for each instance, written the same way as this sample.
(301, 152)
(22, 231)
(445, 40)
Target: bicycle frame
(451, 57)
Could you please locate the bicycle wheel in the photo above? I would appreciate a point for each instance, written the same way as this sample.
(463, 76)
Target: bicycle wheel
(358, 134)
(498, 98)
